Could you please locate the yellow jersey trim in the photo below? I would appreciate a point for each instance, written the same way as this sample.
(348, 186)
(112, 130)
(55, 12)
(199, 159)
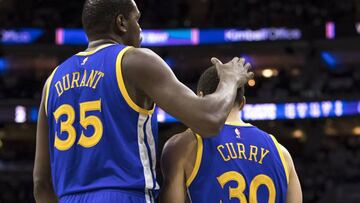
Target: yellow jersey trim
(281, 157)
(86, 53)
(122, 87)
(199, 153)
(48, 83)
(240, 124)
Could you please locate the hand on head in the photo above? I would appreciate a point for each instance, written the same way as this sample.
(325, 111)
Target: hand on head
(235, 69)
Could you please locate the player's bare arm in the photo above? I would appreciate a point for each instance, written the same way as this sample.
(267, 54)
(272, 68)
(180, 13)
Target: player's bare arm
(206, 116)
(43, 188)
(177, 162)
(294, 193)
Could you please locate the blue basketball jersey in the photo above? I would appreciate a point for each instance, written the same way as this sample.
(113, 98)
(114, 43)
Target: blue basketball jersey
(241, 164)
(98, 137)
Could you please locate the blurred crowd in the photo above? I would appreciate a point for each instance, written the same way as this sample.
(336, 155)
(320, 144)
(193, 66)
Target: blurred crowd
(324, 84)
(330, 173)
(188, 13)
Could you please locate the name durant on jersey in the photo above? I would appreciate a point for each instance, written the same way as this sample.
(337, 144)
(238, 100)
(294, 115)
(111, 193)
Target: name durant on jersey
(70, 81)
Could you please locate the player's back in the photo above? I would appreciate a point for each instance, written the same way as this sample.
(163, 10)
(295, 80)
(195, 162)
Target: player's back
(98, 137)
(241, 163)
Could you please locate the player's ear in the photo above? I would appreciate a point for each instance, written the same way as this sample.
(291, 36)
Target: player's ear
(200, 94)
(242, 103)
(121, 23)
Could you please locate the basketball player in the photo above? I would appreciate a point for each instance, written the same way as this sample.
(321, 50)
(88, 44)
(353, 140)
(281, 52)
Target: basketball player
(97, 134)
(241, 164)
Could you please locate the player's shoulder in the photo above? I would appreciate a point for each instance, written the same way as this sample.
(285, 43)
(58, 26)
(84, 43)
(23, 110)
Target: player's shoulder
(259, 132)
(141, 63)
(135, 51)
(179, 144)
(67, 64)
(180, 141)
(287, 157)
(146, 55)
(284, 150)
(271, 137)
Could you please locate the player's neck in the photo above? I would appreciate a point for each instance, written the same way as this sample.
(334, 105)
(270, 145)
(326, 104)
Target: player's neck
(234, 116)
(100, 40)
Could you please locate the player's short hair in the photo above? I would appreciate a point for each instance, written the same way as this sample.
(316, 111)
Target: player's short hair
(98, 16)
(209, 81)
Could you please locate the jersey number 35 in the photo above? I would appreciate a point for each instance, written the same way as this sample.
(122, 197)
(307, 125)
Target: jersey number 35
(85, 121)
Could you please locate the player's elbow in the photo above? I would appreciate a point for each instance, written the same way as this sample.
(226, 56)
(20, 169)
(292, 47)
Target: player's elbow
(41, 187)
(210, 126)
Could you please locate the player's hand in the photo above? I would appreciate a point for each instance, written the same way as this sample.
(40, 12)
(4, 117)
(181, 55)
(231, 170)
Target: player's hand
(235, 69)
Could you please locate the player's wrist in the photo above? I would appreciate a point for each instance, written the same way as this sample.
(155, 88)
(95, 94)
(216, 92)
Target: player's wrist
(229, 81)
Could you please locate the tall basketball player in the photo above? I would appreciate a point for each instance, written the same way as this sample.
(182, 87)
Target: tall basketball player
(97, 134)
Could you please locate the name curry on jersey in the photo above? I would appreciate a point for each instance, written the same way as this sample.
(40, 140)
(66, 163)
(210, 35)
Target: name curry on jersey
(76, 79)
(234, 151)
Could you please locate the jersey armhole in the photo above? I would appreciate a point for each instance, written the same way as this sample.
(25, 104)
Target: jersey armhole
(48, 84)
(121, 84)
(281, 154)
(199, 153)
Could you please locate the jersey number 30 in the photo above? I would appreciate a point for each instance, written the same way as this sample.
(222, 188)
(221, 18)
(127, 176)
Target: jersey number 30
(85, 121)
(238, 192)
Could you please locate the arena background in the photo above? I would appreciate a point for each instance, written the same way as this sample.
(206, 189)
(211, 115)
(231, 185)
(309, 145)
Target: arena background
(306, 89)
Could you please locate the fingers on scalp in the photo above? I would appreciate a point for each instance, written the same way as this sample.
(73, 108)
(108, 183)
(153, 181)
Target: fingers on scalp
(250, 75)
(247, 66)
(242, 61)
(235, 59)
(215, 61)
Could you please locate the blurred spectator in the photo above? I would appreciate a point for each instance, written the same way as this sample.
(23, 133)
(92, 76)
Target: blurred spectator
(180, 13)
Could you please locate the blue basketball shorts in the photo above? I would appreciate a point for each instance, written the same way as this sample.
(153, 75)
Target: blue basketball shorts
(105, 196)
